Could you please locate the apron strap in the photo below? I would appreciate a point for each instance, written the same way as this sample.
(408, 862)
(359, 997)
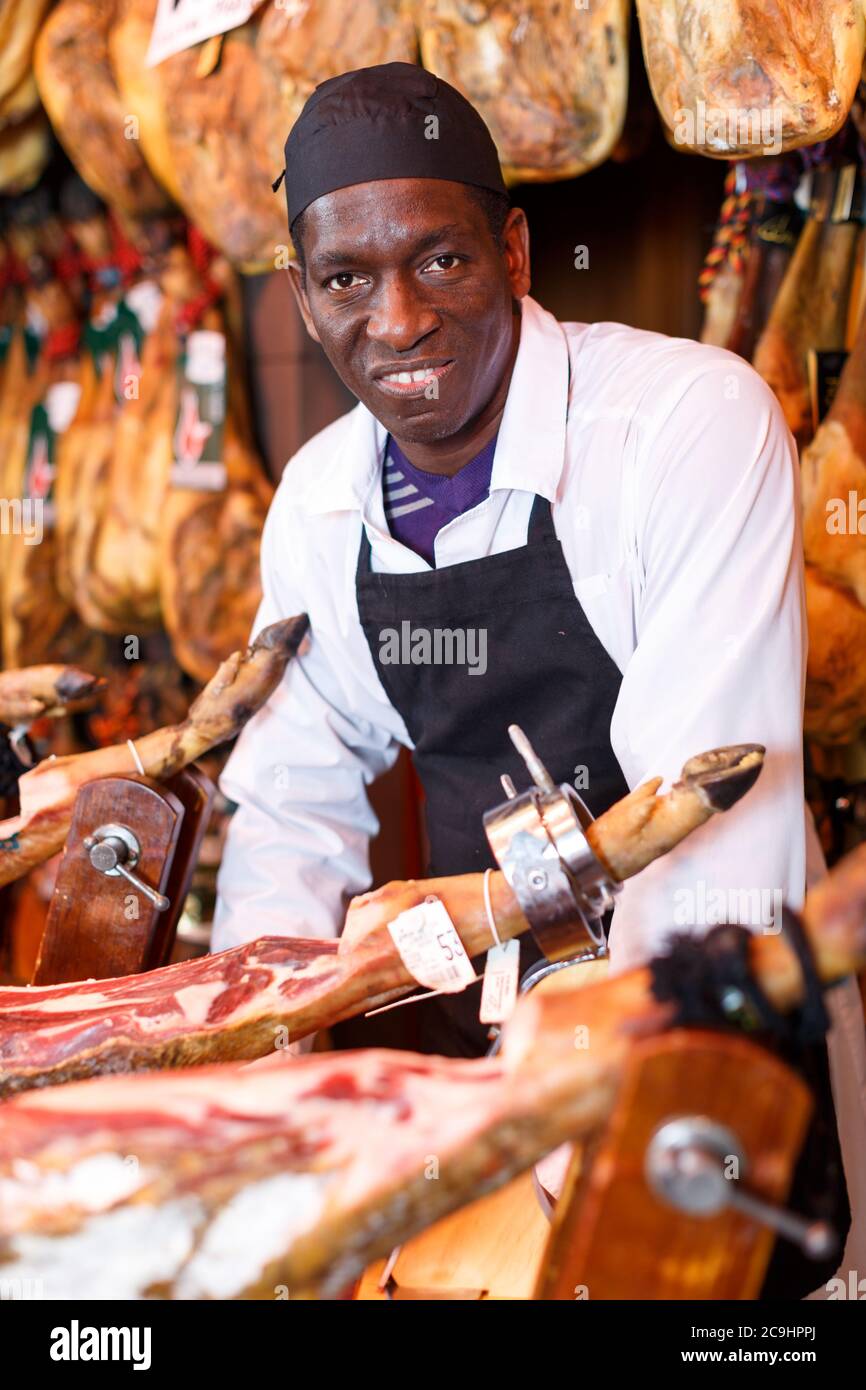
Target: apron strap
(540, 521)
(540, 527)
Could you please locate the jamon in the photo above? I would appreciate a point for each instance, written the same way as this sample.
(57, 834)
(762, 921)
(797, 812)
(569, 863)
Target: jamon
(716, 69)
(47, 794)
(90, 119)
(551, 81)
(834, 537)
(214, 119)
(86, 450)
(811, 311)
(185, 556)
(292, 1175)
(19, 25)
(25, 149)
(38, 624)
(245, 1001)
(45, 691)
(835, 710)
(834, 482)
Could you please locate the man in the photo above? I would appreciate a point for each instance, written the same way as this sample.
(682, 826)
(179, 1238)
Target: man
(594, 529)
(590, 531)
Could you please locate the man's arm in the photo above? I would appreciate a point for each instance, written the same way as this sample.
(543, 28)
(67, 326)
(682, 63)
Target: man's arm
(720, 655)
(298, 845)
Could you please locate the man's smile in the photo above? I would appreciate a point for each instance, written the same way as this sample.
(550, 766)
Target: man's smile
(410, 379)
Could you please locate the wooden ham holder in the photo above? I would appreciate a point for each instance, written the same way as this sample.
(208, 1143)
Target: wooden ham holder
(103, 922)
(711, 1105)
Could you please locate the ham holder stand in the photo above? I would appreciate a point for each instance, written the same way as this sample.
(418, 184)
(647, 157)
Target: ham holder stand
(125, 873)
(684, 1175)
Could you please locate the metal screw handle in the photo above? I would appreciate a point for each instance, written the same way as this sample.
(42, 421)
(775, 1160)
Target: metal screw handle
(817, 1239)
(160, 902)
(108, 851)
(685, 1165)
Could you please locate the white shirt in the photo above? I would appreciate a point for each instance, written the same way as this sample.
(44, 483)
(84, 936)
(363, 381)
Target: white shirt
(674, 486)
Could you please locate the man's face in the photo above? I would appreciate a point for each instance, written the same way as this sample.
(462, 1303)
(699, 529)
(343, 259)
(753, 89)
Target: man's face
(403, 275)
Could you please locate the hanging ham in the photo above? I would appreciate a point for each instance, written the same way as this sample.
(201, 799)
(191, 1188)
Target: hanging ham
(551, 81)
(97, 129)
(214, 119)
(718, 71)
(810, 312)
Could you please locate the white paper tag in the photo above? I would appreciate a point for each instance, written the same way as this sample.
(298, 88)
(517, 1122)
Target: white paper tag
(499, 990)
(430, 948)
(180, 24)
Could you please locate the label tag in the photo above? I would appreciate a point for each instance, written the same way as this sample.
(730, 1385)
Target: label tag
(430, 948)
(181, 24)
(499, 990)
(199, 427)
(49, 418)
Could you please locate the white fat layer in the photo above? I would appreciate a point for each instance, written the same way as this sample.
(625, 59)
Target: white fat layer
(96, 1182)
(115, 1256)
(68, 1003)
(194, 1002)
(254, 1228)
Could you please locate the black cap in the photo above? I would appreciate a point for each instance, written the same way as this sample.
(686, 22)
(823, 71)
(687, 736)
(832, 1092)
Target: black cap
(392, 121)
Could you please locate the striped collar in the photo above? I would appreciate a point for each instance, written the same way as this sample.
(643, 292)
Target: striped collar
(530, 447)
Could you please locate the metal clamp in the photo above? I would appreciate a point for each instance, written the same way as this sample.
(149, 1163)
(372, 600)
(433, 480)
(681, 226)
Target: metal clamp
(538, 839)
(113, 850)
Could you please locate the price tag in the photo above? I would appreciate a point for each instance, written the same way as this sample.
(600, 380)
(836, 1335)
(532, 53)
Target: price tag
(181, 24)
(499, 990)
(201, 414)
(430, 948)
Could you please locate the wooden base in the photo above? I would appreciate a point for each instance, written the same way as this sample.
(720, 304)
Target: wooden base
(489, 1250)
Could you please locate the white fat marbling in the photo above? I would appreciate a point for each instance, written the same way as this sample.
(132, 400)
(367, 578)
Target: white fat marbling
(115, 1256)
(254, 1228)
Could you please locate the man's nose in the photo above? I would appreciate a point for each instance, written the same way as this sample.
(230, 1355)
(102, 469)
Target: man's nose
(400, 318)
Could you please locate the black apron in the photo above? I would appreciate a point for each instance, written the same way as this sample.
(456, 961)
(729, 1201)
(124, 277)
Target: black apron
(548, 672)
(545, 670)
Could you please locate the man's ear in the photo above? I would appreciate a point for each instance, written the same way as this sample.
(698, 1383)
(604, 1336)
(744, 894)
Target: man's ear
(515, 237)
(296, 280)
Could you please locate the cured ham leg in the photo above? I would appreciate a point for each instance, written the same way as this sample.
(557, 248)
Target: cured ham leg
(47, 794)
(45, 691)
(19, 25)
(811, 311)
(291, 1175)
(551, 81)
(834, 538)
(798, 63)
(248, 1000)
(89, 118)
(214, 118)
(835, 711)
(834, 469)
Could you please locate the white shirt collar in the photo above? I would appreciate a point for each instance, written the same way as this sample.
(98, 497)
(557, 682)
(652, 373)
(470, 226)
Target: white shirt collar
(530, 449)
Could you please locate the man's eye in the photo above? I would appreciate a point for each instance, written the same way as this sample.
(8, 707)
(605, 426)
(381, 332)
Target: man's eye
(436, 264)
(341, 281)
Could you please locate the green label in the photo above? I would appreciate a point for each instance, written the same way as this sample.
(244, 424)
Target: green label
(40, 469)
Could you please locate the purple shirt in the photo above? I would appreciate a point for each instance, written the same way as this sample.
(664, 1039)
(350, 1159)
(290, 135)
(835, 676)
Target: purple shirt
(419, 504)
